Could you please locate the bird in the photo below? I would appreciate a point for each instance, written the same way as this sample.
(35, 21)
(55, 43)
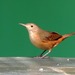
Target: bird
(43, 39)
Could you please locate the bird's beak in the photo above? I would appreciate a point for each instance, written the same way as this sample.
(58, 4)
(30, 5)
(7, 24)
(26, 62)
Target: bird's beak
(22, 24)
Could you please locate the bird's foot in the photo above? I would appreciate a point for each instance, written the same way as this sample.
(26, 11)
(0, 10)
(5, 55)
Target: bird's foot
(42, 57)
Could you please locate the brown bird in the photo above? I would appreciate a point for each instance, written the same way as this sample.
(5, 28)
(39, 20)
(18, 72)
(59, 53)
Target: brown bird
(43, 39)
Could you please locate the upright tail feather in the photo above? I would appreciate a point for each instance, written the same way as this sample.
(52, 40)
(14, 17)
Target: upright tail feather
(68, 35)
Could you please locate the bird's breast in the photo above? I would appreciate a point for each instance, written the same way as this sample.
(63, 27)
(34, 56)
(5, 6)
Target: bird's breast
(35, 38)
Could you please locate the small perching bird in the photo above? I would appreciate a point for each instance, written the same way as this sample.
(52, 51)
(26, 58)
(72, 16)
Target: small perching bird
(43, 39)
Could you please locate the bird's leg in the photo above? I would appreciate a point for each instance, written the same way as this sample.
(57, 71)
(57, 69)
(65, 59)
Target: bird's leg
(46, 54)
(42, 53)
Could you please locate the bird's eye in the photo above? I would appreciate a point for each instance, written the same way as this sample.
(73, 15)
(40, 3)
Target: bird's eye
(31, 25)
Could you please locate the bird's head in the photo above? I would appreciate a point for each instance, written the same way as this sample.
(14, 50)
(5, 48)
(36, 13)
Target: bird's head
(30, 26)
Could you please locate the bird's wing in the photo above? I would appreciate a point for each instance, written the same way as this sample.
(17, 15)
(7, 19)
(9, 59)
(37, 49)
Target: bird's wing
(52, 37)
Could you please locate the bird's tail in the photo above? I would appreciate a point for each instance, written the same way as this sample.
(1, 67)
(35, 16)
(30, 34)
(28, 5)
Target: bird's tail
(68, 35)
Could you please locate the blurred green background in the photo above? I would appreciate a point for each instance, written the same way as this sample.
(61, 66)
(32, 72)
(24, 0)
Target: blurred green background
(51, 15)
